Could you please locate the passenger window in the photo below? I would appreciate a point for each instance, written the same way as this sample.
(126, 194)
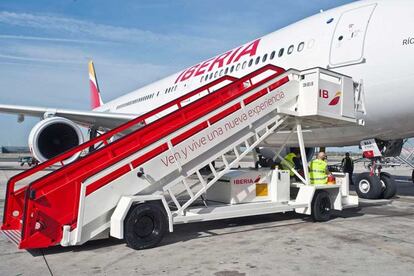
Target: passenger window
(232, 69)
(264, 58)
(206, 78)
(244, 65)
(250, 62)
(211, 75)
(226, 71)
(290, 49)
(238, 67)
(281, 52)
(257, 60)
(272, 55)
(301, 46)
(215, 74)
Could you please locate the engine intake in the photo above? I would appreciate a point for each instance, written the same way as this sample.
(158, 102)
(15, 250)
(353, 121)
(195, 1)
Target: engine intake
(53, 136)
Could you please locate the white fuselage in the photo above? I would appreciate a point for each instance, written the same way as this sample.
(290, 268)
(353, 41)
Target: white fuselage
(371, 41)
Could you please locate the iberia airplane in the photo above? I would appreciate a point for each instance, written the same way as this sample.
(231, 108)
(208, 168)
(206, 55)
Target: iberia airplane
(371, 41)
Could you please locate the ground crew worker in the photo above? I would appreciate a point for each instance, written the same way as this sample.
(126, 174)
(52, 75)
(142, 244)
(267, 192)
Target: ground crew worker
(292, 160)
(348, 167)
(318, 170)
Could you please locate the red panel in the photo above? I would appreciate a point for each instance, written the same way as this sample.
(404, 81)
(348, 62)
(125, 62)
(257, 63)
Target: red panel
(189, 133)
(224, 113)
(106, 179)
(55, 196)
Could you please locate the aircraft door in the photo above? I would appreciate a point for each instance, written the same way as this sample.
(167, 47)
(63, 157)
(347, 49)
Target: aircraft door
(347, 46)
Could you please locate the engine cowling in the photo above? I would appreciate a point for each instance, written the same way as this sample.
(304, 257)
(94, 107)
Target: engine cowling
(53, 136)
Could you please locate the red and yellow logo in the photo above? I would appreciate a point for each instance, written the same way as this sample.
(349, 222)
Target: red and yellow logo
(336, 99)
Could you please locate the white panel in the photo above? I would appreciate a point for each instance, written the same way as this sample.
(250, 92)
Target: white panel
(347, 45)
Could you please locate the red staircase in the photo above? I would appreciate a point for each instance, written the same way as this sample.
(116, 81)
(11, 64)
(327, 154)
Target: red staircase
(34, 215)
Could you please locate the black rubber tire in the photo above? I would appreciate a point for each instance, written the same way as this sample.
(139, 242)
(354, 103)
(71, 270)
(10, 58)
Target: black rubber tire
(412, 176)
(145, 225)
(368, 186)
(389, 186)
(321, 206)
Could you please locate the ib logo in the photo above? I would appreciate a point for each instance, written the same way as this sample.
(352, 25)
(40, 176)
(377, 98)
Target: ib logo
(325, 95)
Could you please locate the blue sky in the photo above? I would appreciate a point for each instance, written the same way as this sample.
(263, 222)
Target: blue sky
(45, 45)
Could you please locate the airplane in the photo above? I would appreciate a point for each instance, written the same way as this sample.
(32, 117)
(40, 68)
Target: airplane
(372, 41)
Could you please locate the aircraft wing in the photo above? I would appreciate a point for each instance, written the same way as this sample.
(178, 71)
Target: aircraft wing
(84, 118)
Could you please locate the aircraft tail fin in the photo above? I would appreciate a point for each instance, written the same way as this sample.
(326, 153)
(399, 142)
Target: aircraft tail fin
(96, 100)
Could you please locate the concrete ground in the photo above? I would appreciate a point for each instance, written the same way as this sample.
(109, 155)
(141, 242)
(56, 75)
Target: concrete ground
(374, 239)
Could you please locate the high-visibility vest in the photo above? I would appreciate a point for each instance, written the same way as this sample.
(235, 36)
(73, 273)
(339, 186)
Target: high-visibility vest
(289, 159)
(317, 172)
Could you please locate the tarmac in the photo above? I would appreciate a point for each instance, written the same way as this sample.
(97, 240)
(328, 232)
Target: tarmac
(374, 239)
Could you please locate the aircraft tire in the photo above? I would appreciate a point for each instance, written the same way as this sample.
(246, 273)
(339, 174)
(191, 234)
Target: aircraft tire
(412, 176)
(145, 225)
(389, 185)
(368, 186)
(321, 206)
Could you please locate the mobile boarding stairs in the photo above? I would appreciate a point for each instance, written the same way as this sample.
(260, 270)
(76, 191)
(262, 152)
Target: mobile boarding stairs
(161, 157)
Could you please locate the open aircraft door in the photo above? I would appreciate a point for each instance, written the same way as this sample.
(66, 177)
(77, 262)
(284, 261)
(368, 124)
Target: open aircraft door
(347, 46)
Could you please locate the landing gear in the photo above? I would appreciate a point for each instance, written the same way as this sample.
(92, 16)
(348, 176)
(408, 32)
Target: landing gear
(371, 186)
(412, 176)
(389, 187)
(145, 226)
(368, 186)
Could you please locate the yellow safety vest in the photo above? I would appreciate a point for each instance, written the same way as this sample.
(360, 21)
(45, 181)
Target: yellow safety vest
(317, 172)
(289, 159)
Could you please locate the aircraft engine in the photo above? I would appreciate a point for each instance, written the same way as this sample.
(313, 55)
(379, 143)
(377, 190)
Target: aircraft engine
(53, 136)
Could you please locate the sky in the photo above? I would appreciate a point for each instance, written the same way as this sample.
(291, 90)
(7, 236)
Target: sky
(45, 45)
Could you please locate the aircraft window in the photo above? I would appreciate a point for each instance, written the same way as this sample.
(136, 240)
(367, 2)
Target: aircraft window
(272, 55)
(281, 52)
(264, 58)
(238, 67)
(257, 60)
(201, 79)
(290, 49)
(158, 93)
(250, 62)
(215, 74)
(166, 89)
(232, 69)
(301, 46)
(341, 37)
(226, 71)
(221, 73)
(175, 88)
(244, 65)
(206, 78)
(211, 75)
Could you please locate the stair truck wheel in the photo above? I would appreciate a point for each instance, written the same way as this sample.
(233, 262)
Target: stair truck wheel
(368, 186)
(389, 186)
(145, 225)
(321, 206)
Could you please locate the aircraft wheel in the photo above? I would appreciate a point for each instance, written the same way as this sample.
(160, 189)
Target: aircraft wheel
(389, 185)
(321, 206)
(412, 176)
(145, 225)
(368, 186)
